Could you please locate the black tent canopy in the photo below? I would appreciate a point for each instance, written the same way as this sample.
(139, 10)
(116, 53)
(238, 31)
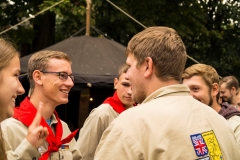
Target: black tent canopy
(95, 60)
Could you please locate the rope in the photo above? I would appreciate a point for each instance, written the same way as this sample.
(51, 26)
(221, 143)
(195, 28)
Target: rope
(30, 17)
(141, 24)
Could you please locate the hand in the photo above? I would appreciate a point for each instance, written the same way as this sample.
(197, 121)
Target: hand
(37, 134)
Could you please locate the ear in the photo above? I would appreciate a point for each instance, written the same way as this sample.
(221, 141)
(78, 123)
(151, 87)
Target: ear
(148, 67)
(215, 89)
(115, 83)
(233, 89)
(37, 77)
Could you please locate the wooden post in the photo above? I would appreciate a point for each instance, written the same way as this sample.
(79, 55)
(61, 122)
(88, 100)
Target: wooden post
(88, 17)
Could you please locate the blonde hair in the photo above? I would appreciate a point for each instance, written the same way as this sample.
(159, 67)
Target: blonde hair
(166, 49)
(7, 52)
(39, 61)
(207, 72)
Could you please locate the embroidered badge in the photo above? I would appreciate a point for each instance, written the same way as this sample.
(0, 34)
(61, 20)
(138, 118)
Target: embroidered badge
(212, 144)
(199, 145)
(206, 144)
(65, 146)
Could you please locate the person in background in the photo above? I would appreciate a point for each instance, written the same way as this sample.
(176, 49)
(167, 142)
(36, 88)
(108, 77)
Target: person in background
(100, 117)
(169, 123)
(203, 82)
(51, 79)
(10, 88)
(228, 90)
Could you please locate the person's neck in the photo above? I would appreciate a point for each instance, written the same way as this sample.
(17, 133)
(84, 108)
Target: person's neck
(48, 107)
(234, 101)
(216, 106)
(156, 84)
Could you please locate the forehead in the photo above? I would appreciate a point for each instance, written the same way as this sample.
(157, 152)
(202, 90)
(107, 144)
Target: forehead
(223, 86)
(14, 64)
(194, 81)
(58, 63)
(122, 78)
(130, 59)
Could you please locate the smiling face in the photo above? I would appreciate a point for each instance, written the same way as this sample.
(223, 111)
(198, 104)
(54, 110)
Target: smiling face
(54, 89)
(226, 94)
(199, 90)
(135, 76)
(124, 90)
(10, 87)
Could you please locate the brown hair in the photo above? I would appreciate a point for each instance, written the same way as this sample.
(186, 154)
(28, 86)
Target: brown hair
(166, 49)
(7, 52)
(230, 81)
(122, 69)
(39, 61)
(207, 72)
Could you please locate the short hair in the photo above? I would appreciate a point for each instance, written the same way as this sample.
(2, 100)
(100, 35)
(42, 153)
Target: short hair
(207, 72)
(166, 49)
(230, 81)
(39, 61)
(7, 52)
(122, 69)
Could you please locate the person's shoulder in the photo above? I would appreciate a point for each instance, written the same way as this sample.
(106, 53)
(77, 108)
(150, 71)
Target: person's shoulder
(10, 122)
(235, 118)
(102, 110)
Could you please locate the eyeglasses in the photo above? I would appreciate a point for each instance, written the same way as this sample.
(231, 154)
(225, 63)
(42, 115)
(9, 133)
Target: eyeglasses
(62, 75)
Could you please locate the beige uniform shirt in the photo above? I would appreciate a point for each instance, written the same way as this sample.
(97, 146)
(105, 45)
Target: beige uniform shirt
(94, 126)
(18, 148)
(234, 122)
(170, 125)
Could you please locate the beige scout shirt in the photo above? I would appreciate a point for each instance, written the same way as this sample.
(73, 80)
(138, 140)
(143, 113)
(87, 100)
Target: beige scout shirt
(170, 125)
(18, 148)
(94, 126)
(234, 122)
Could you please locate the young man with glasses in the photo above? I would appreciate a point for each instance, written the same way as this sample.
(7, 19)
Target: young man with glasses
(51, 79)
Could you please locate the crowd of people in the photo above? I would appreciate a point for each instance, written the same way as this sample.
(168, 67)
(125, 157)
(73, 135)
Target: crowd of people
(160, 109)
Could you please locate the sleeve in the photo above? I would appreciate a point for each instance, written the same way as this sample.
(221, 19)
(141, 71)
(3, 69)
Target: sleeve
(115, 145)
(91, 132)
(24, 150)
(235, 125)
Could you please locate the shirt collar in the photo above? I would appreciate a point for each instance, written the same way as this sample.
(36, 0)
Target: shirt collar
(168, 90)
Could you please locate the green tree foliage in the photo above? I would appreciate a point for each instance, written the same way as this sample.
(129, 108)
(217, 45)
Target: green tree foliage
(209, 28)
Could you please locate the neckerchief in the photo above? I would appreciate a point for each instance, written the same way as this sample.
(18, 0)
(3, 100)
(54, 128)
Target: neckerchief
(115, 102)
(227, 111)
(26, 112)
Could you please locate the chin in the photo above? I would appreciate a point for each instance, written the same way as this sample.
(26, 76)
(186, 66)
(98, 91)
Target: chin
(64, 101)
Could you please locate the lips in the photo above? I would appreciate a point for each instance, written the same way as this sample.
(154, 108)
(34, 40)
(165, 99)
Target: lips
(64, 91)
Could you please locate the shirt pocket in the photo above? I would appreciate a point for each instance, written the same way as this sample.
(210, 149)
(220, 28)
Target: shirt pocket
(65, 154)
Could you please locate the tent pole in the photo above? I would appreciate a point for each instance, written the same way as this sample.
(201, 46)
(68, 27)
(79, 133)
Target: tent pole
(88, 17)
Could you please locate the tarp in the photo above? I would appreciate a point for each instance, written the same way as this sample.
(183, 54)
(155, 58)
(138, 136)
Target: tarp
(95, 60)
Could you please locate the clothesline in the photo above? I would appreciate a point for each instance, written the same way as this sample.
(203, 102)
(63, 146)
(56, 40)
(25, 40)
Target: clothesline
(31, 16)
(141, 24)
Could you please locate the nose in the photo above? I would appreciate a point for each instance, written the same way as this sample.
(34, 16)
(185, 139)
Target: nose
(69, 82)
(20, 90)
(129, 91)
